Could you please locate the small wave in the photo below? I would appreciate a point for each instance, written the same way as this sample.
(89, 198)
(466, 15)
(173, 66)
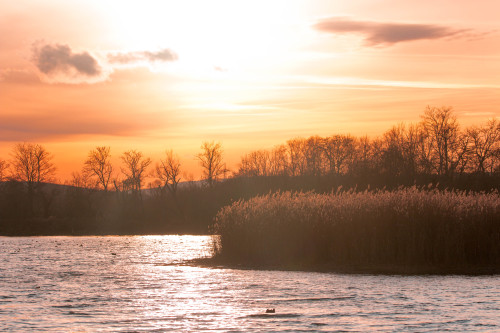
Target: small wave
(71, 306)
(173, 318)
(328, 315)
(458, 321)
(6, 297)
(340, 298)
(205, 313)
(273, 315)
(70, 274)
(309, 299)
(319, 299)
(319, 324)
(79, 314)
(485, 325)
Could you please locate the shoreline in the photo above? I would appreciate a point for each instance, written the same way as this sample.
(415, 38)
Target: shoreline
(380, 269)
(106, 234)
(374, 269)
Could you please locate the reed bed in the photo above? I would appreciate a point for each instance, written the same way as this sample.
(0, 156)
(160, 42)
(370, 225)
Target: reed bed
(407, 227)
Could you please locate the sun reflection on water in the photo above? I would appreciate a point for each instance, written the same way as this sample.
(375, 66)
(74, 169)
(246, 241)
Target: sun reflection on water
(110, 284)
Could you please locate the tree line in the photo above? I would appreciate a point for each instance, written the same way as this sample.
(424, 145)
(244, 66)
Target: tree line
(436, 145)
(102, 197)
(105, 198)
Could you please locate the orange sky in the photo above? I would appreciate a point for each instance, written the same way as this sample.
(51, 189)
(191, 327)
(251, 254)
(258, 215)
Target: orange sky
(157, 75)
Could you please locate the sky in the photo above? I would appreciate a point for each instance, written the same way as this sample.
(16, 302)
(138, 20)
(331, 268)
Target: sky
(158, 75)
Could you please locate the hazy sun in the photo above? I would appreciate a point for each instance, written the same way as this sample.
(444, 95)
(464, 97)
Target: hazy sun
(218, 35)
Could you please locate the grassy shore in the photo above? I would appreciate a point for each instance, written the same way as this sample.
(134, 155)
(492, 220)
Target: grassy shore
(408, 231)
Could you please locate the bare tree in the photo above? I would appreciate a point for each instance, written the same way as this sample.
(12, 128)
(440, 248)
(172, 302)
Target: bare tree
(82, 180)
(400, 150)
(261, 158)
(247, 167)
(442, 127)
(393, 150)
(98, 165)
(411, 149)
(256, 163)
(313, 153)
(296, 152)
(168, 171)
(339, 151)
(211, 161)
(461, 154)
(32, 164)
(135, 168)
(3, 169)
(362, 154)
(485, 142)
(279, 161)
(424, 150)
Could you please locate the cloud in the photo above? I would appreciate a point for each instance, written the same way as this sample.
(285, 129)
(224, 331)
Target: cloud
(379, 33)
(162, 55)
(58, 63)
(18, 76)
(62, 124)
(60, 59)
(141, 56)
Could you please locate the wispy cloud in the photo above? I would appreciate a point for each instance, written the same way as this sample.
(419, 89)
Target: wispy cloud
(48, 123)
(164, 55)
(18, 76)
(59, 59)
(387, 33)
(363, 83)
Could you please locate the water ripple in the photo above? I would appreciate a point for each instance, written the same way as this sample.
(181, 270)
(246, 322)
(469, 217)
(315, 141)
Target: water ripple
(141, 284)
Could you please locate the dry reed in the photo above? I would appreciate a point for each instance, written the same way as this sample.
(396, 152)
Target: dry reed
(405, 227)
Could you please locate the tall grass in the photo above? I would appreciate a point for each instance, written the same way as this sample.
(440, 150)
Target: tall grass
(405, 227)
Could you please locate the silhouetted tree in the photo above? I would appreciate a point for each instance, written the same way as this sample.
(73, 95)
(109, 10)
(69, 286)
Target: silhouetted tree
(98, 165)
(424, 150)
(82, 180)
(261, 160)
(442, 127)
(393, 158)
(211, 161)
(461, 155)
(168, 171)
(3, 170)
(313, 154)
(297, 159)
(401, 150)
(79, 195)
(363, 157)
(135, 169)
(247, 166)
(339, 151)
(279, 161)
(485, 143)
(255, 163)
(32, 164)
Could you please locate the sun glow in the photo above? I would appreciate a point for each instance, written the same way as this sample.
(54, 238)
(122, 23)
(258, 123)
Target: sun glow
(208, 36)
(160, 74)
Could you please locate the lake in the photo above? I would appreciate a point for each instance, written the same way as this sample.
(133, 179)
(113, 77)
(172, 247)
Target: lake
(140, 283)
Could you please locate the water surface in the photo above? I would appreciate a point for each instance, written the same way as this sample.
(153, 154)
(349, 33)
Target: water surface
(89, 284)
